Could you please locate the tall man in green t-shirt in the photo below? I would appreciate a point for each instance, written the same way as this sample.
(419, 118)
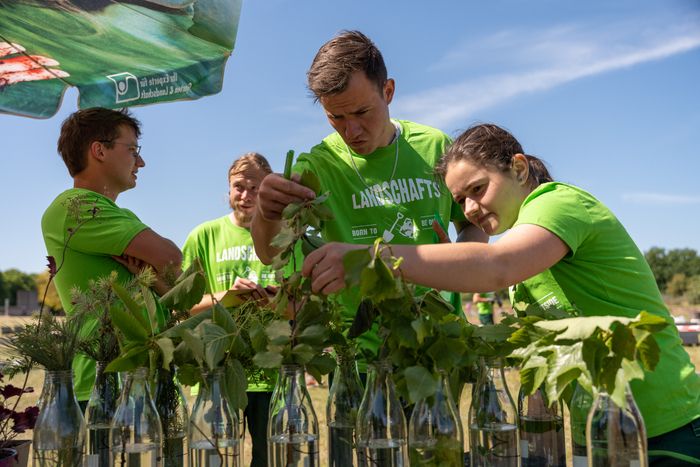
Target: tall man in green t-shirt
(378, 170)
(225, 249)
(101, 151)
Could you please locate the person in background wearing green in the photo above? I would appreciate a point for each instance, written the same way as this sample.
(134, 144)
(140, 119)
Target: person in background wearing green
(225, 249)
(101, 151)
(484, 306)
(378, 170)
(561, 248)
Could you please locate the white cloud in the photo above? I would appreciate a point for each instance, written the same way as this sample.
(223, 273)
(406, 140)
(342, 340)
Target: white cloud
(518, 63)
(660, 199)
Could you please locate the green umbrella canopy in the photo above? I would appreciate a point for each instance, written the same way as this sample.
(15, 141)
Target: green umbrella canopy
(117, 53)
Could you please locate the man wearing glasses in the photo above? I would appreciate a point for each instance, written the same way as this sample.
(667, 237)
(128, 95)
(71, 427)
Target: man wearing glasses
(85, 231)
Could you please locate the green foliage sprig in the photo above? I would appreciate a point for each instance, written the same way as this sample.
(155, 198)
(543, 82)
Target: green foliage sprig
(306, 323)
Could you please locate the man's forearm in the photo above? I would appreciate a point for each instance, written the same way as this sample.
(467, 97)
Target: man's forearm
(263, 231)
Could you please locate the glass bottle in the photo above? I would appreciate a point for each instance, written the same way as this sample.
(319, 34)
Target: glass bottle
(493, 435)
(580, 406)
(343, 403)
(135, 433)
(616, 435)
(435, 431)
(213, 429)
(542, 442)
(98, 416)
(292, 427)
(381, 423)
(171, 405)
(59, 432)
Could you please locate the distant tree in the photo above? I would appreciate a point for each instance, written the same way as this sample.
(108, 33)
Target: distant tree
(3, 291)
(677, 285)
(692, 294)
(678, 261)
(52, 302)
(17, 280)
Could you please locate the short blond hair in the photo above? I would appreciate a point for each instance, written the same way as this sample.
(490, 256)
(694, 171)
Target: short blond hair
(247, 161)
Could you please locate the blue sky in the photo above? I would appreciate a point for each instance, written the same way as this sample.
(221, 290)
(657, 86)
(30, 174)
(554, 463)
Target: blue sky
(607, 93)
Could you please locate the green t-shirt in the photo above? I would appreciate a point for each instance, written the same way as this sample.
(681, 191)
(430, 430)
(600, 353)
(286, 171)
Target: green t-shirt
(369, 203)
(606, 274)
(100, 229)
(485, 308)
(226, 252)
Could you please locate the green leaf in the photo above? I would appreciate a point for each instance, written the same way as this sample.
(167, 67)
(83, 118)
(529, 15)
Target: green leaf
(581, 327)
(167, 348)
(533, 374)
(421, 328)
(303, 353)
(130, 360)
(187, 291)
(194, 343)
(313, 335)
(268, 359)
(188, 374)
(151, 308)
(216, 343)
(257, 335)
(649, 322)
(236, 384)
(623, 342)
(284, 239)
(278, 332)
(494, 332)
(366, 313)
(131, 328)
(290, 210)
(648, 351)
(354, 262)
(420, 383)
(190, 323)
(130, 304)
(446, 353)
(222, 317)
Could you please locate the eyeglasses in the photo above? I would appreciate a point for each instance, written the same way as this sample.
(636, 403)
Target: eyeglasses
(134, 149)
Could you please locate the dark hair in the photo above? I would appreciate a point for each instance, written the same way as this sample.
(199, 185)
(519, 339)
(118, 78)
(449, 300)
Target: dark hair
(489, 145)
(248, 160)
(86, 126)
(337, 59)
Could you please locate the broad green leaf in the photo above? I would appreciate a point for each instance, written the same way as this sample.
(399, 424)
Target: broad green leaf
(151, 308)
(194, 343)
(313, 335)
(290, 210)
(131, 328)
(446, 353)
(190, 323)
(303, 353)
(623, 342)
(129, 360)
(533, 374)
(278, 332)
(404, 334)
(420, 383)
(648, 351)
(284, 239)
(632, 370)
(325, 363)
(186, 293)
(433, 304)
(222, 317)
(494, 332)
(257, 335)
(130, 304)
(421, 328)
(188, 374)
(216, 343)
(593, 352)
(236, 384)
(649, 322)
(267, 359)
(354, 262)
(582, 327)
(167, 348)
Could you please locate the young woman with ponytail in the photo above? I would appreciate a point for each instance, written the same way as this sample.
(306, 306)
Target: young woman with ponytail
(561, 248)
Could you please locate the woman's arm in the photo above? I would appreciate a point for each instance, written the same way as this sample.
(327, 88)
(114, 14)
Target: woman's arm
(523, 252)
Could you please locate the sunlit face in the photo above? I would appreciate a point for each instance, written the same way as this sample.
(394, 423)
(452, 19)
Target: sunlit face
(243, 194)
(122, 161)
(490, 198)
(360, 114)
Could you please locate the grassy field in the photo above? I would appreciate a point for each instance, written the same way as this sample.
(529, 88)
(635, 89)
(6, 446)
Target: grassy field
(318, 395)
